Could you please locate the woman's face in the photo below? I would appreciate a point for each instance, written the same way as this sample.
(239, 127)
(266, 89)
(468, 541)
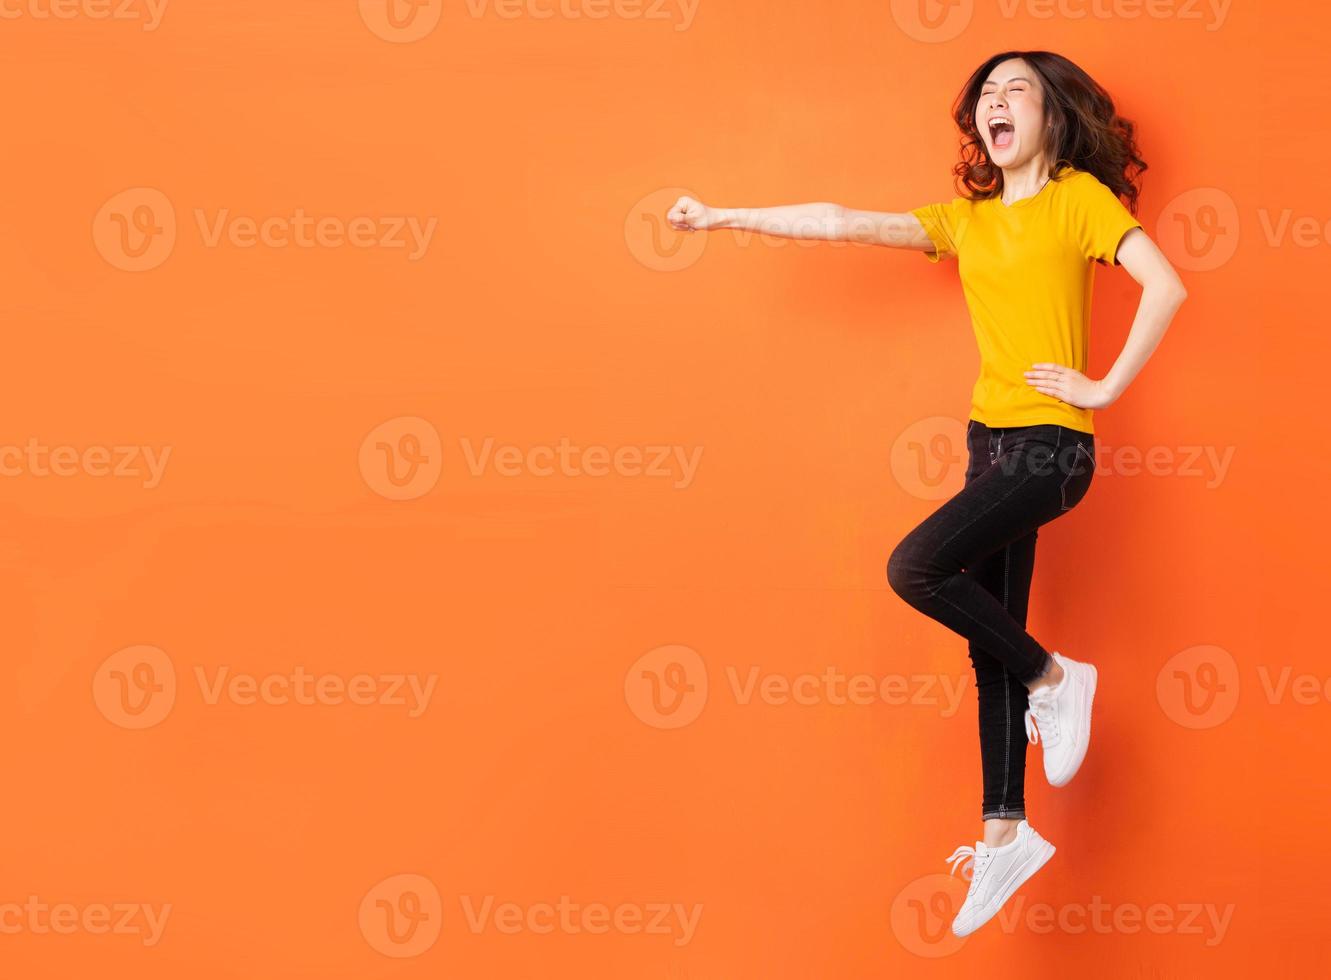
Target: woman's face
(1010, 114)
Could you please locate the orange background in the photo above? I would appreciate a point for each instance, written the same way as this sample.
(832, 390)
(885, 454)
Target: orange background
(553, 304)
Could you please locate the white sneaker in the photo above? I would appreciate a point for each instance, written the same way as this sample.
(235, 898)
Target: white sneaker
(1060, 716)
(997, 872)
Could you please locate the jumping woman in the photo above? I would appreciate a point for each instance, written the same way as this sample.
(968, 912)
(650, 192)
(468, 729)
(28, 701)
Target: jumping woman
(1045, 162)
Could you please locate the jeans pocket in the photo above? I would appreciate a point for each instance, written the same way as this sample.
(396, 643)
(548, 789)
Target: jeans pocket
(1081, 470)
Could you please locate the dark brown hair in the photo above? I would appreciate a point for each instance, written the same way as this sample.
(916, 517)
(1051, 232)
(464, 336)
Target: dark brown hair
(1085, 131)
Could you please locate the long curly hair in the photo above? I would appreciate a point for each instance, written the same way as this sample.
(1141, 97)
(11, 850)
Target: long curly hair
(1085, 132)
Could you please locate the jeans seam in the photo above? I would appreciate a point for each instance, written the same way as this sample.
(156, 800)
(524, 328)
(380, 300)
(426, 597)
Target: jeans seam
(1007, 693)
(1063, 487)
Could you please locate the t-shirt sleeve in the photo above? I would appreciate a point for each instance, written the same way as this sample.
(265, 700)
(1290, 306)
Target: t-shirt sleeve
(1100, 220)
(943, 223)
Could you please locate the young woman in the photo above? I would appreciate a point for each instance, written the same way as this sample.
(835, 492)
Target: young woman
(1044, 162)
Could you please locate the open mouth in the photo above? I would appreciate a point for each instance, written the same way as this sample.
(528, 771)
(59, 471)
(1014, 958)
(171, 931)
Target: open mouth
(1001, 132)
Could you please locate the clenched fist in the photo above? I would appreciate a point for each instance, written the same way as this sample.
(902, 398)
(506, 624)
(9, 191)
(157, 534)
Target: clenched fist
(691, 215)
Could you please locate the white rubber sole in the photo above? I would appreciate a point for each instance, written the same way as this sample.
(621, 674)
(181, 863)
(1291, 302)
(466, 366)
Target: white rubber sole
(1033, 863)
(1083, 736)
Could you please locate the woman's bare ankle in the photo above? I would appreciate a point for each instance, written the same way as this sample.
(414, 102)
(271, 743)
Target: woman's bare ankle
(1051, 677)
(998, 832)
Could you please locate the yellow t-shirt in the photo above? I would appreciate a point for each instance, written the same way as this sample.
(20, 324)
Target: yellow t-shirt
(1026, 270)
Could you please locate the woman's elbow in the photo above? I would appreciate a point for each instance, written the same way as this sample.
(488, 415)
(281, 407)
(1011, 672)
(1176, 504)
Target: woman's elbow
(1171, 290)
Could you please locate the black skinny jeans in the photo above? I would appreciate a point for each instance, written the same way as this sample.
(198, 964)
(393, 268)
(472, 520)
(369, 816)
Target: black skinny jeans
(969, 566)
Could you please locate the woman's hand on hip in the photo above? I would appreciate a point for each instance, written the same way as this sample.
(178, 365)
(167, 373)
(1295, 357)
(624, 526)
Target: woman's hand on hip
(1069, 385)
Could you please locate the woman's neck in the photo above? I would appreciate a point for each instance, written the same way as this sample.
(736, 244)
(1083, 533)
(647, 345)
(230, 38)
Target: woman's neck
(1024, 181)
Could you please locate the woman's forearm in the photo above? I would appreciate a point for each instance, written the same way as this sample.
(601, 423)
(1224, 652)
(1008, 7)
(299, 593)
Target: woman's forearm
(817, 221)
(1159, 303)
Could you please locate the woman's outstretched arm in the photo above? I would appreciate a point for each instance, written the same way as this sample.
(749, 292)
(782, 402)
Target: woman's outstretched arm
(819, 221)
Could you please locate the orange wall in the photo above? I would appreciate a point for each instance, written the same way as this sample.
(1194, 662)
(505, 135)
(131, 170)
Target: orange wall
(164, 600)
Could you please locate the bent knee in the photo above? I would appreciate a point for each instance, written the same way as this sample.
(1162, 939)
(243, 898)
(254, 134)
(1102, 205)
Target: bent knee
(905, 573)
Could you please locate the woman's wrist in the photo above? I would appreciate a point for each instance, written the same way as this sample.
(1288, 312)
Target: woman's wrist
(725, 218)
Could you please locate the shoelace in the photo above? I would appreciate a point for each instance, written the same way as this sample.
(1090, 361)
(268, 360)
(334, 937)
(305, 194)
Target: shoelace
(1041, 713)
(966, 856)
